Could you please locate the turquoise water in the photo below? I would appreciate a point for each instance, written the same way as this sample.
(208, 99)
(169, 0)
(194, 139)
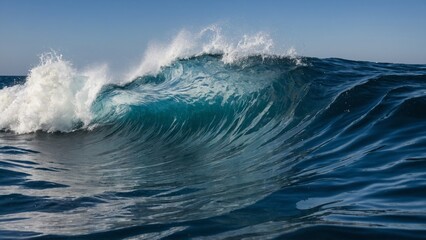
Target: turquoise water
(264, 147)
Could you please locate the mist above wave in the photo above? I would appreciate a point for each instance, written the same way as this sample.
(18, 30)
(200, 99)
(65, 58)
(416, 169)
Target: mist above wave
(209, 40)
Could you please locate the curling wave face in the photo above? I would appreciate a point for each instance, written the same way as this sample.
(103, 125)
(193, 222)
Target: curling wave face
(58, 97)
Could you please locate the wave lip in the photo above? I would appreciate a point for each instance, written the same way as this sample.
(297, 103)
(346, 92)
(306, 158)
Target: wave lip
(209, 40)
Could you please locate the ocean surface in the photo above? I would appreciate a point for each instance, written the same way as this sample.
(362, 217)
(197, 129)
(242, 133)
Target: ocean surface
(261, 147)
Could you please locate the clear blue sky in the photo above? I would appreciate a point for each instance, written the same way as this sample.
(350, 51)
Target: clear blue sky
(117, 32)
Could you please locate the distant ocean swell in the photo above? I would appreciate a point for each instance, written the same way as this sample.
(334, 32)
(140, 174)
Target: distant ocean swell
(215, 139)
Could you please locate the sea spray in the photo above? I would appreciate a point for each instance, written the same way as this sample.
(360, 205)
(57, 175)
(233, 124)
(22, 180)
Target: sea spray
(210, 40)
(55, 97)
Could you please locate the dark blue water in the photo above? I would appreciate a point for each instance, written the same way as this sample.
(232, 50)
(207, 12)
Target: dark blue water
(261, 148)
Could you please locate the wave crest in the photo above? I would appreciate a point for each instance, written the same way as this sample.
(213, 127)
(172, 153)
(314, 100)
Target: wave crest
(58, 97)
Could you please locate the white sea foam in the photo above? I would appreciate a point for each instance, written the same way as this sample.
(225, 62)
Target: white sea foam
(55, 97)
